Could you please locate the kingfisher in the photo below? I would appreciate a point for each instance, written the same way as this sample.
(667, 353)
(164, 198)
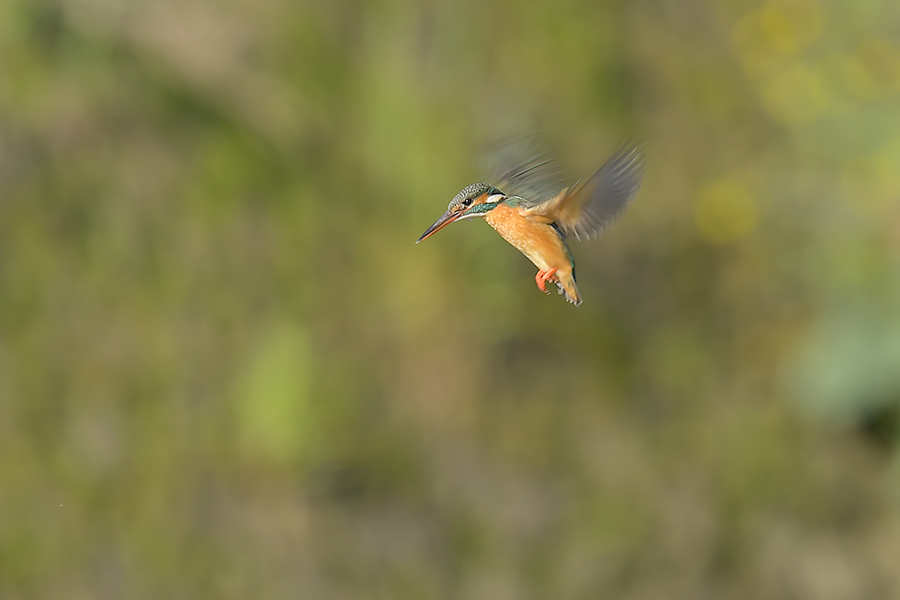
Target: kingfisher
(536, 214)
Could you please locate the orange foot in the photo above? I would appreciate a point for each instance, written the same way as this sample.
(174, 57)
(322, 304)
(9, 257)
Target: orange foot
(541, 279)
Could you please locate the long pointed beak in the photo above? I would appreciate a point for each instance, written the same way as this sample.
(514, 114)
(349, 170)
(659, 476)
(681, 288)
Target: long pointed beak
(447, 218)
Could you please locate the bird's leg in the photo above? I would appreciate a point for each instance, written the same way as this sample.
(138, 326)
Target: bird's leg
(541, 279)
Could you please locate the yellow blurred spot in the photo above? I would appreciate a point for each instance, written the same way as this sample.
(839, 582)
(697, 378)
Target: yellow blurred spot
(880, 60)
(726, 211)
(849, 77)
(796, 95)
(872, 185)
(787, 27)
(763, 38)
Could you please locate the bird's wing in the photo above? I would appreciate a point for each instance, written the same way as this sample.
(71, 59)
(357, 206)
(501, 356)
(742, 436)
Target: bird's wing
(519, 168)
(586, 208)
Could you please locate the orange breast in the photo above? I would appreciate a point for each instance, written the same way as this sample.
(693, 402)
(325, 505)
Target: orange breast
(533, 237)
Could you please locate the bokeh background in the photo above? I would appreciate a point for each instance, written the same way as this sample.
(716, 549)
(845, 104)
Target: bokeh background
(226, 371)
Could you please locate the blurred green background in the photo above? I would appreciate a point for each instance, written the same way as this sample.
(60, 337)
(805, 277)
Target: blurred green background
(226, 371)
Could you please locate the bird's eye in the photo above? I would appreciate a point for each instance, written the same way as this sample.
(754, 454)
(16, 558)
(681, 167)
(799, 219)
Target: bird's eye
(467, 202)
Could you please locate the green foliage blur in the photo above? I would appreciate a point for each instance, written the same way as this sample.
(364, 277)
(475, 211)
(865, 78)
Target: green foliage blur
(226, 371)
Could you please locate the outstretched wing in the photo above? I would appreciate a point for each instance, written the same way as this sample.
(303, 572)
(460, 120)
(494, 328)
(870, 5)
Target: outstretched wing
(519, 168)
(588, 207)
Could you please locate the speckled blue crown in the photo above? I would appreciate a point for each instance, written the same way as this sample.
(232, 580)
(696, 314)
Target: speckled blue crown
(473, 191)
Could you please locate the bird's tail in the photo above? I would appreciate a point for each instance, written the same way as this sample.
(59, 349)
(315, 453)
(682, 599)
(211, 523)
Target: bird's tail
(565, 283)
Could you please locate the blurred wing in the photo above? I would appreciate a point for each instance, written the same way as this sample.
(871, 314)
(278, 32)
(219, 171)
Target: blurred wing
(588, 207)
(518, 168)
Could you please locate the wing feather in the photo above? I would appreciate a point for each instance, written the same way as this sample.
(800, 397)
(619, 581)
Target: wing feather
(519, 169)
(588, 207)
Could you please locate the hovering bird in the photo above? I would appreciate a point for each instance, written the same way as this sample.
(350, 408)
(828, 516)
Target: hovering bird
(536, 213)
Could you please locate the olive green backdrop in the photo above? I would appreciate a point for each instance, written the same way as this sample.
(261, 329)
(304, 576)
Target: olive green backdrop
(226, 371)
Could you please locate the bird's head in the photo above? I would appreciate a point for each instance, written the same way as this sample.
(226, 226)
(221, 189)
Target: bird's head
(474, 200)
